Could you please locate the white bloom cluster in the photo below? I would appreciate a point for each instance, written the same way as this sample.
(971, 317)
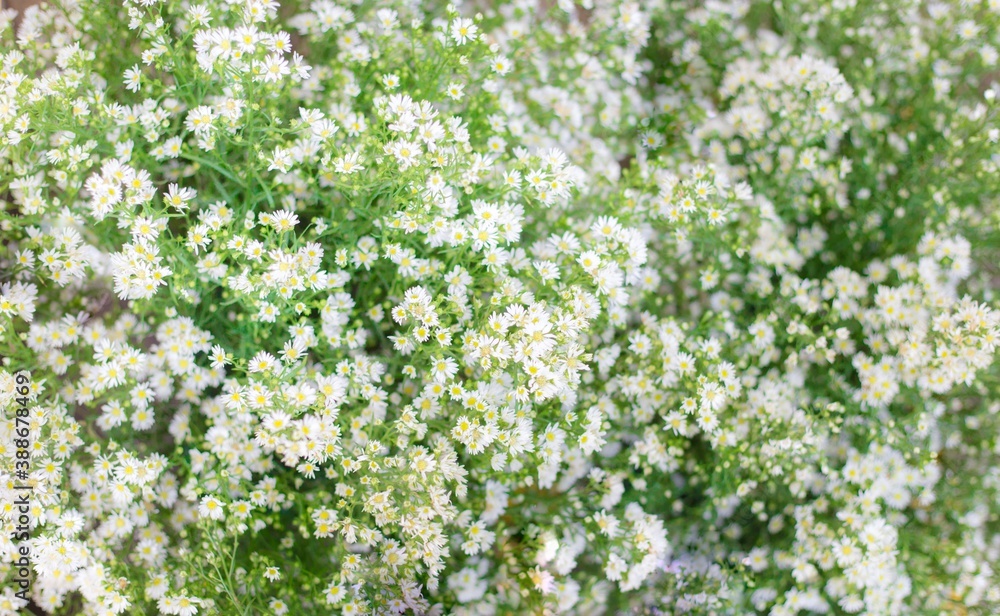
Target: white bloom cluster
(573, 307)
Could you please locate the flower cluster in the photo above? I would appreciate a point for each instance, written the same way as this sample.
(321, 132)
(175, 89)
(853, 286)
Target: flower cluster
(575, 307)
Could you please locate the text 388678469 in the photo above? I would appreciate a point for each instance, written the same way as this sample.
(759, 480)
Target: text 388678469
(22, 487)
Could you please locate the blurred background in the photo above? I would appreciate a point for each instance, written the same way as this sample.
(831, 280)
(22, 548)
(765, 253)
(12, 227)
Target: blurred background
(17, 4)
